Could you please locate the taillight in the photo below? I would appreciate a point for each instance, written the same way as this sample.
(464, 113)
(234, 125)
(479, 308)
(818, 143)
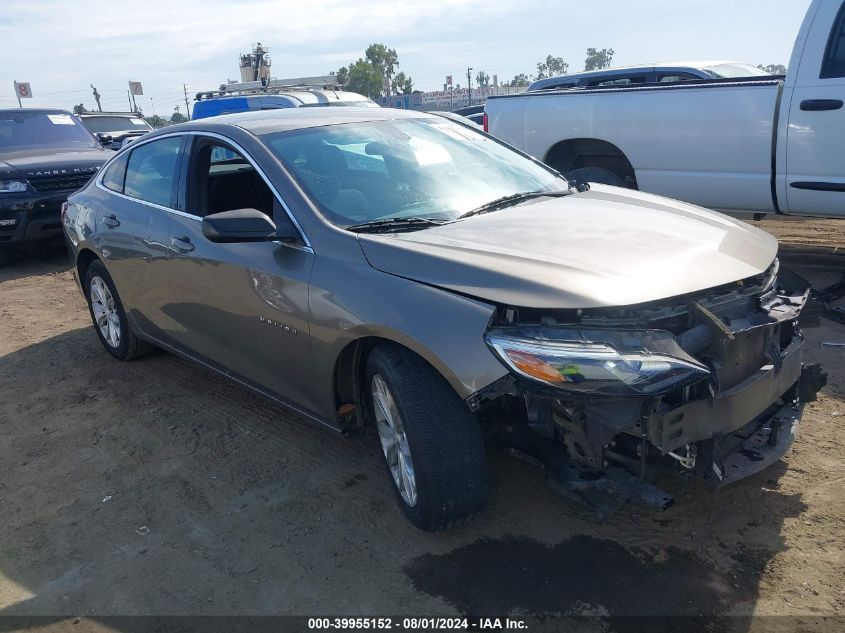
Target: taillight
(484, 122)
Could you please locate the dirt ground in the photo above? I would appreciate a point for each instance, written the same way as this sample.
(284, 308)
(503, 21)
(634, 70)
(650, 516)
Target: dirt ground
(156, 487)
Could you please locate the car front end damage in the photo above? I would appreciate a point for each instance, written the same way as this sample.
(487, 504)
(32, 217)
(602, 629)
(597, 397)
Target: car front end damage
(710, 383)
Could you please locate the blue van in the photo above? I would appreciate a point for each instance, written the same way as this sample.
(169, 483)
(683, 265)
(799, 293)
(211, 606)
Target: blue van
(212, 105)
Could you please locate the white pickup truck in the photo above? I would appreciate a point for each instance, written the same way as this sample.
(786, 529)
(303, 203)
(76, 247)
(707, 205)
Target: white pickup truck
(756, 146)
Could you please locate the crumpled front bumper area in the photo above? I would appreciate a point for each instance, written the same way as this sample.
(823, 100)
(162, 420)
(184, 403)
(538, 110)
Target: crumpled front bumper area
(730, 443)
(734, 423)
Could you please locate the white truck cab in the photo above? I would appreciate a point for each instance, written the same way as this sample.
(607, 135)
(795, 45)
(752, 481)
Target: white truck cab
(755, 145)
(811, 155)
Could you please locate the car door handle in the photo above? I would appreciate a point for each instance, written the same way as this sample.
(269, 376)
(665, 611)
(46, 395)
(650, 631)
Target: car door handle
(182, 244)
(819, 105)
(110, 221)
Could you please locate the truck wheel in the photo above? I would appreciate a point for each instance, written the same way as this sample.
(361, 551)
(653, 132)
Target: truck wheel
(431, 442)
(596, 174)
(109, 318)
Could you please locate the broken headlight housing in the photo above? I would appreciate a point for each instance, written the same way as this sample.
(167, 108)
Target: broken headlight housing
(601, 362)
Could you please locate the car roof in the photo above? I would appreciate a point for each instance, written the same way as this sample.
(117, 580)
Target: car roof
(682, 65)
(128, 115)
(305, 96)
(268, 121)
(43, 110)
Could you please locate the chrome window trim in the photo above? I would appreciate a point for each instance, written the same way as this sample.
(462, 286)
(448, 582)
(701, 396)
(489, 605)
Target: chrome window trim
(149, 204)
(98, 182)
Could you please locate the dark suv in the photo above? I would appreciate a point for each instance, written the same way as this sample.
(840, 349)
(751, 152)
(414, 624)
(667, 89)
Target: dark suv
(45, 155)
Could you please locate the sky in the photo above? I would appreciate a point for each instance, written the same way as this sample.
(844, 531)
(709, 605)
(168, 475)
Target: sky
(62, 47)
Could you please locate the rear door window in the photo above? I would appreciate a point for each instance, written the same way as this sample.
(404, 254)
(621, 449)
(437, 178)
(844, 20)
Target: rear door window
(834, 56)
(151, 173)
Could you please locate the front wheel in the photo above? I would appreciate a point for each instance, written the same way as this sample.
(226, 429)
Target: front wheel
(432, 444)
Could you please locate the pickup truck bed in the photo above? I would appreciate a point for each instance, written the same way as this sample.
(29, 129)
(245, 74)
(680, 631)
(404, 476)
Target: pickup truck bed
(691, 157)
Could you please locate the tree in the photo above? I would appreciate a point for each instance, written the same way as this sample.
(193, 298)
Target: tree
(341, 75)
(519, 81)
(79, 109)
(402, 85)
(363, 77)
(552, 67)
(773, 69)
(598, 59)
(482, 79)
(384, 60)
(374, 74)
(177, 117)
(156, 121)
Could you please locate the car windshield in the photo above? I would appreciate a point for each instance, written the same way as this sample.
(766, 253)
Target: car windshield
(407, 168)
(734, 71)
(107, 124)
(42, 129)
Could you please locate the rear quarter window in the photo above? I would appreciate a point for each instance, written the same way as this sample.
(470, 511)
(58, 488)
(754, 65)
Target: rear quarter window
(115, 174)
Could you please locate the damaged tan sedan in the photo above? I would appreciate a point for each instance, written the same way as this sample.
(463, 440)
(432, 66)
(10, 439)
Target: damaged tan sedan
(373, 268)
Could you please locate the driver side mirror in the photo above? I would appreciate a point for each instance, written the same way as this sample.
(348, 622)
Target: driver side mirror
(245, 225)
(105, 139)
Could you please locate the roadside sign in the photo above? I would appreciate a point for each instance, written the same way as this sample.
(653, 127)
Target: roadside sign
(22, 91)
(135, 88)
(448, 80)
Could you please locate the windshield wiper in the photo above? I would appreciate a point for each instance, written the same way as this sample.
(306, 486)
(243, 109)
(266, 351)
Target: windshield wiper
(506, 201)
(394, 224)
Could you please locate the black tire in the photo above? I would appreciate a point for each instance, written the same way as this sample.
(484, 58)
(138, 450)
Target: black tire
(596, 174)
(444, 437)
(130, 346)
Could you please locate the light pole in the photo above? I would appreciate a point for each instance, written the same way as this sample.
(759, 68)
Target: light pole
(469, 85)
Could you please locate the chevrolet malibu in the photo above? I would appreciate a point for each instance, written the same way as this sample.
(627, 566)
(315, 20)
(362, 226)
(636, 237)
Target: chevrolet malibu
(399, 271)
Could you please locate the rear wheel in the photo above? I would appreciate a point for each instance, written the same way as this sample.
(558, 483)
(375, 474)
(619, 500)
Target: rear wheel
(432, 444)
(109, 317)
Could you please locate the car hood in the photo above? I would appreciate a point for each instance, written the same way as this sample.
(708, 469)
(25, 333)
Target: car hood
(603, 247)
(36, 161)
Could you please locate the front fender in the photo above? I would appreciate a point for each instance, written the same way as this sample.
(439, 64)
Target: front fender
(444, 328)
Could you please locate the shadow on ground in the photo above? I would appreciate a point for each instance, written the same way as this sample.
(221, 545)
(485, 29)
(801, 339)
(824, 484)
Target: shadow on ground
(156, 487)
(48, 261)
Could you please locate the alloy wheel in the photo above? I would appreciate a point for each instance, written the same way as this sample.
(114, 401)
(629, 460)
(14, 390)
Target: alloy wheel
(394, 441)
(105, 312)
